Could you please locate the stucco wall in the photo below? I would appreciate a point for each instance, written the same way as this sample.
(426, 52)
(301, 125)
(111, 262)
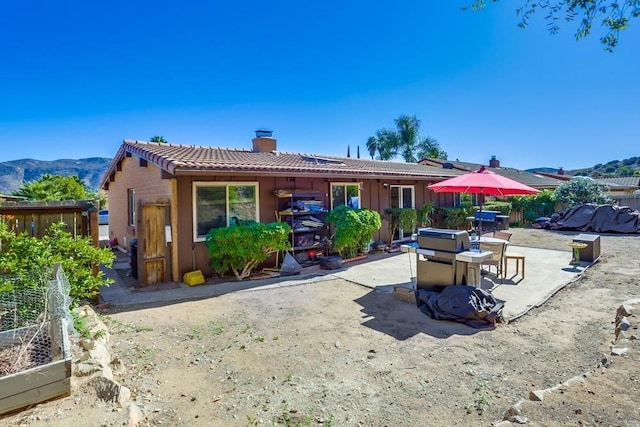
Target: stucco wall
(149, 187)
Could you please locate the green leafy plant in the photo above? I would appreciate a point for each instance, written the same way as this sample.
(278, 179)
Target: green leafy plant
(581, 190)
(352, 229)
(451, 218)
(503, 207)
(535, 206)
(400, 219)
(242, 247)
(424, 214)
(481, 398)
(31, 259)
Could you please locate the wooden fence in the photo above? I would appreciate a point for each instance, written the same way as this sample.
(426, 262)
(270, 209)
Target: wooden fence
(631, 200)
(35, 218)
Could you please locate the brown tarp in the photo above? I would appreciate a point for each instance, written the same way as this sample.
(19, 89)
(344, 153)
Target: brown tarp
(596, 218)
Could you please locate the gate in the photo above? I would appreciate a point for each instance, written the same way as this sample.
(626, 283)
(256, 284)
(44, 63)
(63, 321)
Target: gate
(153, 245)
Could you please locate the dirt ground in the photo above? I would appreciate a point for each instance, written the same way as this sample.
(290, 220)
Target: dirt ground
(334, 353)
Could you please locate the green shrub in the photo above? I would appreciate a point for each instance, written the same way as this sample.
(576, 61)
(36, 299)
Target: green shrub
(534, 206)
(241, 247)
(400, 218)
(424, 214)
(353, 229)
(30, 260)
(451, 218)
(503, 207)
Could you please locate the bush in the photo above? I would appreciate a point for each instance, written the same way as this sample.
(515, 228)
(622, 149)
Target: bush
(534, 206)
(503, 207)
(241, 247)
(353, 229)
(400, 219)
(30, 260)
(581, 190)
(451, 218)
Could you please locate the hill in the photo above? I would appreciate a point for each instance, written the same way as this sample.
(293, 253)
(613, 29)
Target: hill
(614, 168)
(15, 172)
(626, 167)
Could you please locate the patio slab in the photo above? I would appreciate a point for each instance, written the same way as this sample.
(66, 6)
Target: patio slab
(547, 271)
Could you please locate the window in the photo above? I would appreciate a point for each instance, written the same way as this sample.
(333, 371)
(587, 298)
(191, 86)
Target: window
(459, 196)
(345, 194)
(131, 207)
(220, 204)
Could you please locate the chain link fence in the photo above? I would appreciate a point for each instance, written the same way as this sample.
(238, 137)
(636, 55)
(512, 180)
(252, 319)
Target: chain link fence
(35, 321)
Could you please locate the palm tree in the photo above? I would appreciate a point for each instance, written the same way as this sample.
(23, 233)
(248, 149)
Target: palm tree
(372, 146)
(158, 138)
(404, 140)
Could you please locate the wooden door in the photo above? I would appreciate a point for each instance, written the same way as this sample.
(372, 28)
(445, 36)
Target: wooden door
(153, 246)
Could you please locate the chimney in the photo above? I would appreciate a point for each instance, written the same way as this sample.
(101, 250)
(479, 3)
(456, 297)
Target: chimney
(263, 142)
(494, 163)
(560, 171)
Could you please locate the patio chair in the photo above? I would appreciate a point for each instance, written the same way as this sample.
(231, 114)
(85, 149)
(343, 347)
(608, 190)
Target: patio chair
(497, 259)
(502, 235)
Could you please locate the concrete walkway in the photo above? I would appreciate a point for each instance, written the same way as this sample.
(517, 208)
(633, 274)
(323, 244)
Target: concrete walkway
(547, 271)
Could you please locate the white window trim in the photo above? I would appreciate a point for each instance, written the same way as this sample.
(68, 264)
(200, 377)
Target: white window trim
(225, 184)
(413, 192)
(345, 184)
(132, 205)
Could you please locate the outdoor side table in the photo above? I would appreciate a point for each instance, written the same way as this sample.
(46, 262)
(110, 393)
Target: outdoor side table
(519, 261)
(576, 246)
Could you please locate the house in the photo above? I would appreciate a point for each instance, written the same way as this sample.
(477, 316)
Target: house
(532, 179)
(167, 196)
(620, 185)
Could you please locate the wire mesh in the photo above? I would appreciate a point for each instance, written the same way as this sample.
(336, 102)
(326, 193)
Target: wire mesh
(33, 314)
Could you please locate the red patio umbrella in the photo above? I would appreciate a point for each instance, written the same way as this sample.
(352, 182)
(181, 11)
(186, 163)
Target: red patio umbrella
(485, 182)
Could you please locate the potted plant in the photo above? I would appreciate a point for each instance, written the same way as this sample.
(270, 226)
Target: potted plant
(353, 229)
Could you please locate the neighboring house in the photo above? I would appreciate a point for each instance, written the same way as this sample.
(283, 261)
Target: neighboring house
(621, 185)
(168, 196)
(532, 179)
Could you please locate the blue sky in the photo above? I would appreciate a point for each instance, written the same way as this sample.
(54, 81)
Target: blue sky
(78, 77)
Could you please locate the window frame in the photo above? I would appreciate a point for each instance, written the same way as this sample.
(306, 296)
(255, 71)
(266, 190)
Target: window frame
(131, 207)
(226, 185)
(345, 184)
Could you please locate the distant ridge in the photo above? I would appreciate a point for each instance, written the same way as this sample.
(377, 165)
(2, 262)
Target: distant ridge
(611, 169)
(14, 173)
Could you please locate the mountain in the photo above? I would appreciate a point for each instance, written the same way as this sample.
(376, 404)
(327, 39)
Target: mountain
(16, 172)
(613, 168)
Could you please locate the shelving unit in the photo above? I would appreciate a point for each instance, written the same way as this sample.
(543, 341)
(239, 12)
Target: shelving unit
(305, 212)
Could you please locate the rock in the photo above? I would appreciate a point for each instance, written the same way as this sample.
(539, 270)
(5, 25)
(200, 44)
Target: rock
(134, 415)
(616, 351)
(124, 396)
(537, 395)
(513, 411)
(605, 361)
(518, 419)
(107, 390)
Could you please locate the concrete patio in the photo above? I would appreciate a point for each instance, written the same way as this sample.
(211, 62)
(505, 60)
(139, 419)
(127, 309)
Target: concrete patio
(547, 271)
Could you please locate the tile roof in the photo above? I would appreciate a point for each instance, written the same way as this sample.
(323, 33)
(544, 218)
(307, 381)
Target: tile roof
(622, 181)
(188, 159)
(531, 179)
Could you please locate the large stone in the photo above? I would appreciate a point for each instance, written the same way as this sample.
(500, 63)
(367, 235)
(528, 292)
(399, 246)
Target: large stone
(135, 415)
(537, 395)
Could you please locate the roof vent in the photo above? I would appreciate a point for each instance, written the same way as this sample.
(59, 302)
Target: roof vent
(447, 165)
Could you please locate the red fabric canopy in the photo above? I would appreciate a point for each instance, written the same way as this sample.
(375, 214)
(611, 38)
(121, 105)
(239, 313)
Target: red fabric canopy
(482, 181)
